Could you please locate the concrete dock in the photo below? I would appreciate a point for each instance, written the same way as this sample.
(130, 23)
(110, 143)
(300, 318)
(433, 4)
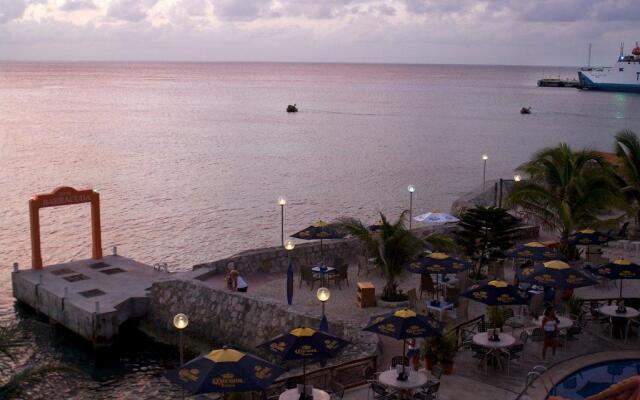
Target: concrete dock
(90, 297)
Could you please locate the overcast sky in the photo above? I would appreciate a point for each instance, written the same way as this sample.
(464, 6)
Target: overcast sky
(524, 32)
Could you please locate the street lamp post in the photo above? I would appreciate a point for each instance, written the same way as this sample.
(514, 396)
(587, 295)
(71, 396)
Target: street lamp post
(411, 189)
(323, 295)
(181, 321)
(484, 170)
(289, 246)
(516, 178)
(282, 202)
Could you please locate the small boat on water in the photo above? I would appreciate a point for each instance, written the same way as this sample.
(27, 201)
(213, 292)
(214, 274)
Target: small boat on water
(292, 108)
(525, 110)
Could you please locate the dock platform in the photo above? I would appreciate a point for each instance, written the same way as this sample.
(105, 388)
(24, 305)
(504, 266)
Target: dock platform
(90, 297)
(557, 82)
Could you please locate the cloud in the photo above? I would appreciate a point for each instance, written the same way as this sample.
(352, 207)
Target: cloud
(243, 10)
(130, 10)
(75, 5)
(11, 9)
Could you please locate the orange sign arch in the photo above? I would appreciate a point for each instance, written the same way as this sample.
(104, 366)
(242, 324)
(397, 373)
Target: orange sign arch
(63, 196)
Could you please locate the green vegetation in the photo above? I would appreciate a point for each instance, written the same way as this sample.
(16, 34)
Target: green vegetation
(485, 233)
(392, 246)
(567, 190)
(627, 148)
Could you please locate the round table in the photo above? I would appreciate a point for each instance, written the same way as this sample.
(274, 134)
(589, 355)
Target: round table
(414, 381)
(327, 270)
(563, 322)
(495, 348)
(482, 339)
(292, 394)
(610, 311)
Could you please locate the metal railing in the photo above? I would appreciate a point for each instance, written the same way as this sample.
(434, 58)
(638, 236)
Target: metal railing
(349, 374)
(533, 375)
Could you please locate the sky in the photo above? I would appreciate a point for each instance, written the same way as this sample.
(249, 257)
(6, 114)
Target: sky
(504, 32)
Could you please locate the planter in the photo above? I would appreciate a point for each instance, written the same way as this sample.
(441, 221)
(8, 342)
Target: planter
(393, 304)
(429, 363)
(447, 368)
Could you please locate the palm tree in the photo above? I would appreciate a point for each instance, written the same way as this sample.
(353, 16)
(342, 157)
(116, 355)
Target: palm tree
(12, 338)
(392, 245)
(627, 149)
(567, 189)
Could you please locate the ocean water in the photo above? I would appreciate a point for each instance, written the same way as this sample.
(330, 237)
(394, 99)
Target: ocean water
(189, 159)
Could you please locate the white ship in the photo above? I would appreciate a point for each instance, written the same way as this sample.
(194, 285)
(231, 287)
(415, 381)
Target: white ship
(623, 77)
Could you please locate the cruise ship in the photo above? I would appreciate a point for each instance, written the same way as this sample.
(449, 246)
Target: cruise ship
(624, 76)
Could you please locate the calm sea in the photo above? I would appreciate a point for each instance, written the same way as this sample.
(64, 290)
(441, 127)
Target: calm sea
(189, 159)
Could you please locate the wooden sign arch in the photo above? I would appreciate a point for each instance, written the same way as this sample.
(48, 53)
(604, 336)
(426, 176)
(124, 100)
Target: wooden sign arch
(64, 196)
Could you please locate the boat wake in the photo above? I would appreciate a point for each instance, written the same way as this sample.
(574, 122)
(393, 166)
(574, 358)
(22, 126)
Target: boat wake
(344, 113)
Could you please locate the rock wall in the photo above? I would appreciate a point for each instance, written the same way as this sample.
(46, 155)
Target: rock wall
(238, 320)
(274, 259)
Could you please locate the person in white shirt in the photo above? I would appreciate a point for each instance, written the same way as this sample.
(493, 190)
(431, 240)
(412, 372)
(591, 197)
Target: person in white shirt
(237, 282)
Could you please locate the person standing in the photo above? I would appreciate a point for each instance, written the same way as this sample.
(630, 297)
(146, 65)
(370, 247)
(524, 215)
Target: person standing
(550, 328)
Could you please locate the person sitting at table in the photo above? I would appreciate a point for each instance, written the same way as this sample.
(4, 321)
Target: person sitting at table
(550, 328)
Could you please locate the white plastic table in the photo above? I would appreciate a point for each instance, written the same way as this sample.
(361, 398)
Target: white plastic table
(495, 348)
(414, 381)
(440, 308)
(610, 311)
(292, 394)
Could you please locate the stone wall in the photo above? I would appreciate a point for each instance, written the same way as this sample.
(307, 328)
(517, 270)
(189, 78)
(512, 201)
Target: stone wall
(237, 319)
(274, 259)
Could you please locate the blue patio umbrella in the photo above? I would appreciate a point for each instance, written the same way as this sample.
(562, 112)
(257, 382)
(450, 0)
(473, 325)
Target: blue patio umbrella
(619, 269)
(304, 344)
(437, 263)
(319, 231)
(588, 237)
(404, 324)
(555, 273)
(534, 251)
(225, 371)
(497, 293)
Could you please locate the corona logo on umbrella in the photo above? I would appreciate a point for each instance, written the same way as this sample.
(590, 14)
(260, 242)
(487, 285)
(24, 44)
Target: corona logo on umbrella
(227, 380)
(415, 330)
(437, 263)
(544, 278)
(387, 328)
(189, 374)
(481, 295)
(262, 372)
(280, 346)
(305, 351)
(505, 299)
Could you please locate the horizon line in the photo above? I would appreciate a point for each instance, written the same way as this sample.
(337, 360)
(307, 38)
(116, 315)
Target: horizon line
(52, 61)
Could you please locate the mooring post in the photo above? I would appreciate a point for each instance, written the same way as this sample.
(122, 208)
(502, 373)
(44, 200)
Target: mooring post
(97, 307)
(115, 250)
(16, 268)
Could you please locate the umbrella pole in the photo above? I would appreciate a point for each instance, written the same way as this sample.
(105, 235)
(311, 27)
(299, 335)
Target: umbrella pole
(620, 289)
(304, 377)
(321, 252)
(404, 343)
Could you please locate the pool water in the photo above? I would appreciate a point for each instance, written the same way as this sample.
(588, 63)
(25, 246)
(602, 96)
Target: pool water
(595, 378)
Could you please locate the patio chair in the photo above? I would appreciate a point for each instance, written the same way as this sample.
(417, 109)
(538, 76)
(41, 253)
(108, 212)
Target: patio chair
(452, 296)
(426, 285)
(336, 391)
(364, 265)
(429, 392)
(524, 336)
(380, 392)
(399, 360)
(536, 334)
(342, 274)
(307, 276)
(436, 372)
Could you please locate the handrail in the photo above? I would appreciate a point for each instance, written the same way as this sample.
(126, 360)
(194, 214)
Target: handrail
(535, 372)
(460, 327)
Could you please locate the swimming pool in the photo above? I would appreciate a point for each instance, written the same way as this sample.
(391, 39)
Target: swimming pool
(595, 378)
